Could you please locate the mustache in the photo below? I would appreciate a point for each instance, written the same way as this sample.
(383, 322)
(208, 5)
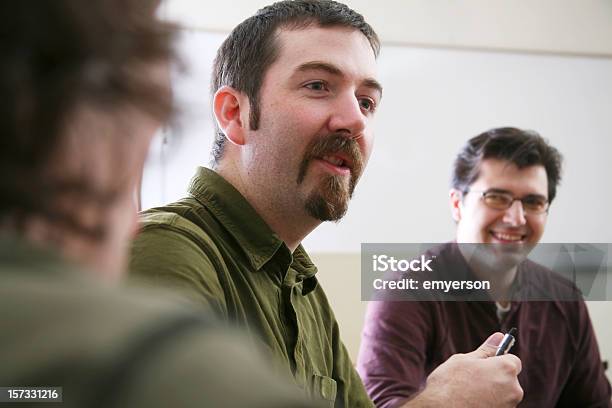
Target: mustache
(334, 143)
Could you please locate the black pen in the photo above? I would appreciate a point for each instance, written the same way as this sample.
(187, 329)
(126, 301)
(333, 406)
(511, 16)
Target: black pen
(506, 343)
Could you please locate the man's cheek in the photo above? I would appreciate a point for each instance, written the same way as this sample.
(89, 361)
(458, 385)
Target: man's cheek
(367, 147)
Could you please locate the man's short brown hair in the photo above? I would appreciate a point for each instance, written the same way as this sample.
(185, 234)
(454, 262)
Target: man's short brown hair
(59, 57)
(522, 148)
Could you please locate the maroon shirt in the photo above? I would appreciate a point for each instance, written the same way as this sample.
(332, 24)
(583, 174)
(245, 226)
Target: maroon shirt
(404, 341)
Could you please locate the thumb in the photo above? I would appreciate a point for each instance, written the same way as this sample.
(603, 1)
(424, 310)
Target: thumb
(489, 347)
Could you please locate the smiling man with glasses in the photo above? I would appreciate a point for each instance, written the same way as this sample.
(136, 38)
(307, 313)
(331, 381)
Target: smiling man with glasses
(503, 184)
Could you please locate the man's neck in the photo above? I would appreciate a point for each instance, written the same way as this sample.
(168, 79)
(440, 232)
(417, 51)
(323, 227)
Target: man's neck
(287, 223)
(501, 276)
(82, 251)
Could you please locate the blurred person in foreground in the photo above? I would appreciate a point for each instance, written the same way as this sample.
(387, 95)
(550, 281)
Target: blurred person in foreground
(295, 98)
(84, 87)
(504, 181)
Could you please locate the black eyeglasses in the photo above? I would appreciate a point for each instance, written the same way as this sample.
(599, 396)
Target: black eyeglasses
(498, 200)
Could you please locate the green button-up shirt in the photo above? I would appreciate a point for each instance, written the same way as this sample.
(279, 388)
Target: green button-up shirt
(215, 247)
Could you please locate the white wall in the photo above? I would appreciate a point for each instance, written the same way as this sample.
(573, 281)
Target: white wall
(560, 26)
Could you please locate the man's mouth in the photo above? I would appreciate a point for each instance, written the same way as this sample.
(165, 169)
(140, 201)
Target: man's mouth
(335, 154)
(508, 236)
(337, 162)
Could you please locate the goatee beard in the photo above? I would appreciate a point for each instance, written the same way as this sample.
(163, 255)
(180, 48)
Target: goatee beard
(330, 201)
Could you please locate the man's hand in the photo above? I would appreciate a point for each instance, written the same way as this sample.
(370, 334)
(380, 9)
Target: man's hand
(476, 379)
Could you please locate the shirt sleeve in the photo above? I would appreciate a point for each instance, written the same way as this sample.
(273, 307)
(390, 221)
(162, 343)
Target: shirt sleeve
(392, 356)
(169, 256)
(587, 385)
(350, 389)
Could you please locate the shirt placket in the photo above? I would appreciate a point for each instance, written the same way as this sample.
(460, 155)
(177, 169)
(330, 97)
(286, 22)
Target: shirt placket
(290, 299)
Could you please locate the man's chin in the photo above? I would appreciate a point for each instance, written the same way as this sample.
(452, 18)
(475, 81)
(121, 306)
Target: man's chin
(498, 255)
(330, 201)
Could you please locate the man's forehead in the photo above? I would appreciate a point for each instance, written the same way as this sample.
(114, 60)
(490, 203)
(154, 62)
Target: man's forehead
(506, 175)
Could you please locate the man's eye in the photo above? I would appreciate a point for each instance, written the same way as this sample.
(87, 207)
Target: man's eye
(495, 198)
(367, 104)
(534, 202)
(316, 86)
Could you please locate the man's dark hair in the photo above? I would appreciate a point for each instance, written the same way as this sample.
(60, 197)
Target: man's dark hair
(250, 49)
(58, 57)
(523, 148)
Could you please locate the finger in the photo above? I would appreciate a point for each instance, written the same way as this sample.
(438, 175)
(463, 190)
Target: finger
(515, 361)
(489, 347)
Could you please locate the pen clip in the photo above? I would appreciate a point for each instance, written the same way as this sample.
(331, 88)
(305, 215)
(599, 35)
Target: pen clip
(506, 343)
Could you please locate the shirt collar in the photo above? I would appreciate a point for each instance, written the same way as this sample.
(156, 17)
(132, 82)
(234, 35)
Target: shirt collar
(233, 211)
(303, 264)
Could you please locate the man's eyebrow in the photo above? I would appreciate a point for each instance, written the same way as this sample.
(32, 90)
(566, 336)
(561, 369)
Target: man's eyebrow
(374, 84)
(502, 191)
(334, 70)
(498, 190)
(319, 66)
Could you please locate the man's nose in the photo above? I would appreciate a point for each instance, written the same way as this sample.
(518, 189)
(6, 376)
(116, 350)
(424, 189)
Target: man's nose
(347, 117)
(515, 215)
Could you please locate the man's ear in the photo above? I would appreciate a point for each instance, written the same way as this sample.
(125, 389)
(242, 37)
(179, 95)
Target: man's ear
(455, 197)
(231, 109)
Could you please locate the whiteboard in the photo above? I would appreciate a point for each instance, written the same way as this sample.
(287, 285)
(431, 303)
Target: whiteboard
(434, 100)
